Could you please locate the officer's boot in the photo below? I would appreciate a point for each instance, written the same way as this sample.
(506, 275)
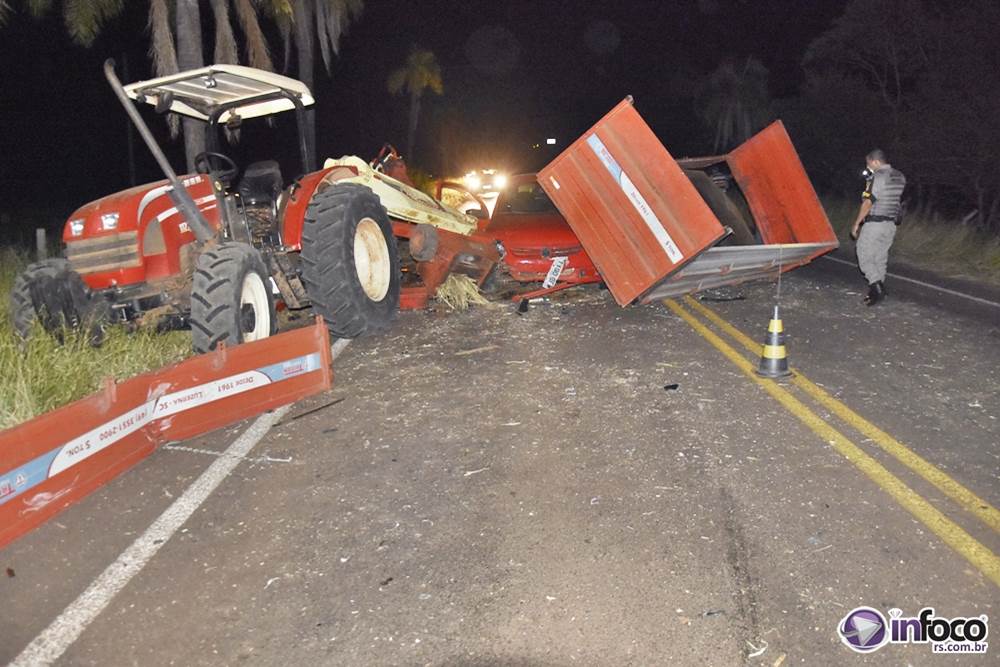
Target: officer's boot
(876, 292)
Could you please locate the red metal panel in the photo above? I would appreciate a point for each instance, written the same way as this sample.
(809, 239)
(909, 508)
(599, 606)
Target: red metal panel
(636, 213)
(52, 461)
(781, 197)
(473, 255)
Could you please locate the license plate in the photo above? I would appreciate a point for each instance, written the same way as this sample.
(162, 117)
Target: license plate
(558, 264)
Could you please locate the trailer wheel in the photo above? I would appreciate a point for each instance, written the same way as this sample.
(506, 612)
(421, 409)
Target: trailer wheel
(231, 298)
(350, 261)
(52, 294)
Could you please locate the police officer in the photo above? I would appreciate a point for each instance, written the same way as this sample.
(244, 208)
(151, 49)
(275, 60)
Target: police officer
(875, 227)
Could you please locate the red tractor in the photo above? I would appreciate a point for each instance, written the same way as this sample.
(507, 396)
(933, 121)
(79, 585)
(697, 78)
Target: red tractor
(215, 250)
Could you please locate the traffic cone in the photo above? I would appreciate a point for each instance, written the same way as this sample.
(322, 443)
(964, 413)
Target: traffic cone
(773, 360)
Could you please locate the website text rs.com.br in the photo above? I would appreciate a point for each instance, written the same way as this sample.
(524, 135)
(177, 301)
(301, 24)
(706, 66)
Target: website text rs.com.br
(960, 647)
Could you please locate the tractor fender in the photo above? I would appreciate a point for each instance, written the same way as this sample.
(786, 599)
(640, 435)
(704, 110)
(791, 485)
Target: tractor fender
(301, 193)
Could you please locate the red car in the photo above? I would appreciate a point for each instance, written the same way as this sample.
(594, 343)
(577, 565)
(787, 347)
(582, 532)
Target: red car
(534, 234)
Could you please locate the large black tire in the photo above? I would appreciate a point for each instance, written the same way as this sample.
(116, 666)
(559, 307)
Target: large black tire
(356, 295)
(51, 293)
(231, 298)
(723, 208)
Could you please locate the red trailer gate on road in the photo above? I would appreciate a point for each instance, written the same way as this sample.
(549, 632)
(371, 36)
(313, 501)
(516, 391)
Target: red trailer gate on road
(52, 461)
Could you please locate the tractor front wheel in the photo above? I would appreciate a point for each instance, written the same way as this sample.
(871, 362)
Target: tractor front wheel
(350, 261)
(231, 298)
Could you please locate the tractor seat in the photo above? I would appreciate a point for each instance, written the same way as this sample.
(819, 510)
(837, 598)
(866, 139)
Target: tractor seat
(261, 184)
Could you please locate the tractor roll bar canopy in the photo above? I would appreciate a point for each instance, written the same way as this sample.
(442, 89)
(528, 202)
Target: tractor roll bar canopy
(218, 92)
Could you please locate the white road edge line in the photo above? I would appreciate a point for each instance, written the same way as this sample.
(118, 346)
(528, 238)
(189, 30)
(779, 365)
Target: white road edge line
(49, 646)
(923, 284)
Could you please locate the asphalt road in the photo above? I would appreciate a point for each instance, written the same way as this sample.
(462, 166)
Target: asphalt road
(506, 489)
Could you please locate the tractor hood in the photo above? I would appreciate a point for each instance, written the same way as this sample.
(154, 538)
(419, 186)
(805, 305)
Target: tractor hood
(125, 211)
(136, 235)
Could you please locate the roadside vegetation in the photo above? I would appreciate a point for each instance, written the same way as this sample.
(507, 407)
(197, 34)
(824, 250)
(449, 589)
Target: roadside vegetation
(930, 241)
(39, 375)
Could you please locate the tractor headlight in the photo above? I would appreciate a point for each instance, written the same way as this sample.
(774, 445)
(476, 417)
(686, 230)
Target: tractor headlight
(499, 181)
(109, 221)
(473, 182)
(76, 227)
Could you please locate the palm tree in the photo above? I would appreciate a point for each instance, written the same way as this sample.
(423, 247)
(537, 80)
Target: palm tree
(420, 72)
(306, 23)
(734, 102)
(176, 46)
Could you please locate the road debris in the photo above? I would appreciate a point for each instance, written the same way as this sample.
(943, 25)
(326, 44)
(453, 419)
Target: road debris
(718, 296)
(458, 292)
(249, 459)
(475, 472)
(477, 350)
(309, 412)
(757, 652)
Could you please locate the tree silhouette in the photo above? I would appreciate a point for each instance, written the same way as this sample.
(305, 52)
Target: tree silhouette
(734, 102)
(173, 45)
(918, 81)
(421, 72)
(309, 23)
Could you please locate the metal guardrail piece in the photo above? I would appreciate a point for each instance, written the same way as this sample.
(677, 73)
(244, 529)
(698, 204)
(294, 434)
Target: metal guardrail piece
(56, 459)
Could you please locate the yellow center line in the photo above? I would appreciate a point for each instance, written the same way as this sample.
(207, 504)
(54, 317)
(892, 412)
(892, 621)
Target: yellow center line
(945, 484)
(951, 533)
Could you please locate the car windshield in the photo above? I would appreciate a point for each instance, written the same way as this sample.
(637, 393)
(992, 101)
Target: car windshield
(528, 198)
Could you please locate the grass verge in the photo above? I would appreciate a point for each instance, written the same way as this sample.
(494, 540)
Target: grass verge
(930, 242)
(39, 375)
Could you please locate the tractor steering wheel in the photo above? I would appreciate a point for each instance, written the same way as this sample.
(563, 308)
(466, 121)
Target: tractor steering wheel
(223, 166)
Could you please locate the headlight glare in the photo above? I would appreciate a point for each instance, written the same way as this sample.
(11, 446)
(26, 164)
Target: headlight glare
(76, 227)
(109, 221)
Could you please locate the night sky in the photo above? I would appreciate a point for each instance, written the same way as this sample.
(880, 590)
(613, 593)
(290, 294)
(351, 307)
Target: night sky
(514, 73)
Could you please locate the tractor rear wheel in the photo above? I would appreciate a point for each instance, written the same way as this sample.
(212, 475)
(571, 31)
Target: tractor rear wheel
(49, 292)
(231, 298)
(350, 261)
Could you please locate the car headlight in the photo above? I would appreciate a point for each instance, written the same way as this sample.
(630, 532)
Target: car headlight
(499, 181)
(109, 221)
(76, 227)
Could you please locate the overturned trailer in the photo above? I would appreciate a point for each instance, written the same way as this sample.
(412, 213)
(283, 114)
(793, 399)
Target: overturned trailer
(654, 229)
